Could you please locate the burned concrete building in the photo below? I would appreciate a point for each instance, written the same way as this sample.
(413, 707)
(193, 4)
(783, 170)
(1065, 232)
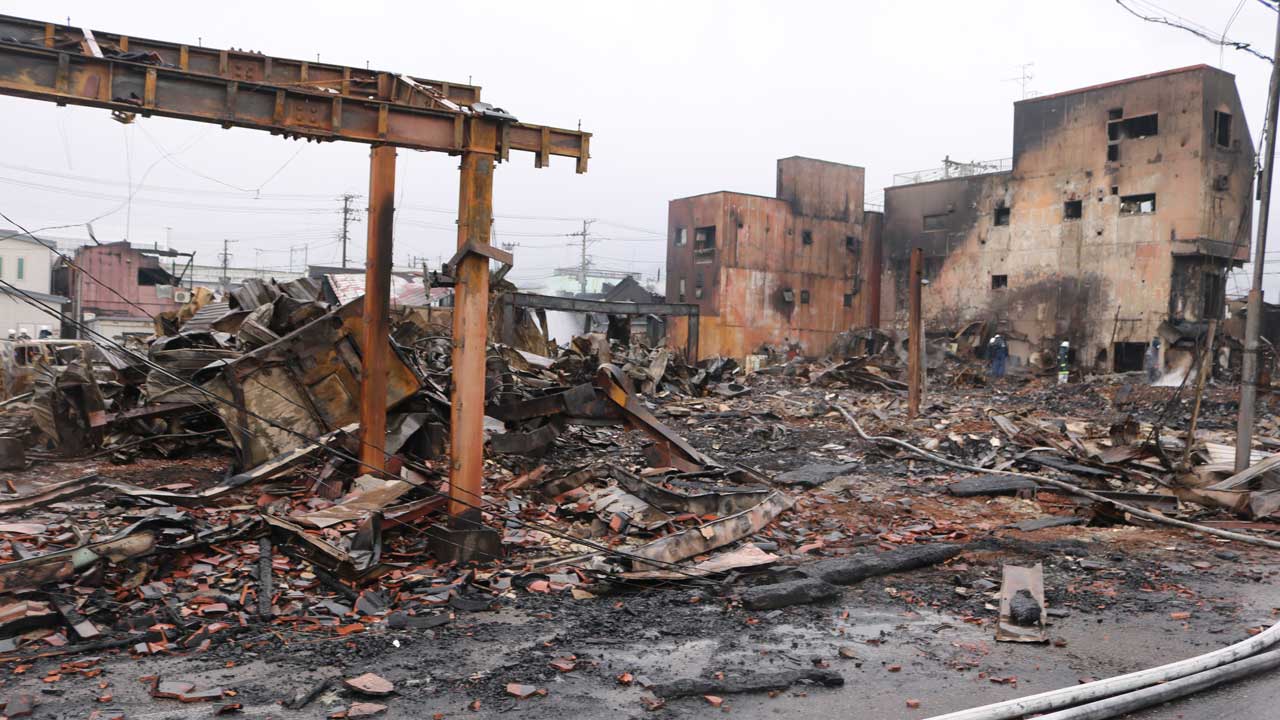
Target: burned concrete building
(789, 271)
(1123, 207)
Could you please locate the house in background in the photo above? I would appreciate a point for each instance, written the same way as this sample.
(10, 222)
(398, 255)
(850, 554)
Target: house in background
(130, 286)
(26, 263)
(792, 270)
(1118, 218)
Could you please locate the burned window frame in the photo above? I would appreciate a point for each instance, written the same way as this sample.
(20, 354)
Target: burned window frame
(1072, 209)
(999, 281)
(1134, 204)
(704, 244)
(1220, 138)
(1133, 128)
(1001, 216)
(806, 237)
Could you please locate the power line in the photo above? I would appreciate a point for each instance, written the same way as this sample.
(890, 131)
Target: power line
(1194, 28)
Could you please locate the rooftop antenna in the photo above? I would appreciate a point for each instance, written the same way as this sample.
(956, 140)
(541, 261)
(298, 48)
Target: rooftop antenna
(1024, 77)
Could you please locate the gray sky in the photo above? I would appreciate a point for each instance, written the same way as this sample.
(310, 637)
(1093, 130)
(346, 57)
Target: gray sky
(682, 98)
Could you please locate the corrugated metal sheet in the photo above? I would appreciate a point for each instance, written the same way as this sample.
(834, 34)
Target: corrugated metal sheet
(409, 292)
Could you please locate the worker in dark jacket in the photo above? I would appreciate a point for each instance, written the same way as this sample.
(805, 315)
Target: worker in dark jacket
(997, 355)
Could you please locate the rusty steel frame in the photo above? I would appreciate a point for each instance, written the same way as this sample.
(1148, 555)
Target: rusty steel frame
(321, 102)
(377, 306)
(470, 321)
(915, 335)
(53, 73)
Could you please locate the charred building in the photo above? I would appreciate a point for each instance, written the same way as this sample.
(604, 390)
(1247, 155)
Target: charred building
(786, 271)
(1122, 210)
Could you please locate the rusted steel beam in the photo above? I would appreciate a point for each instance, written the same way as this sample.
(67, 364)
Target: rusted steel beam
(246, 66)
(607, 307)
(915, 336)
(70, 78)
(470, 321)
(377, 294)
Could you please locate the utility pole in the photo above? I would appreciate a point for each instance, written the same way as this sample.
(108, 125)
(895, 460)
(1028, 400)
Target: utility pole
(348, 214)
(226, 257)
(1253, 321)
(583, 235)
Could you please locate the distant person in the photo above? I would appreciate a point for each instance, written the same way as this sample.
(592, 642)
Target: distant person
(1064, 362)
(997, 355)
(1151, 361)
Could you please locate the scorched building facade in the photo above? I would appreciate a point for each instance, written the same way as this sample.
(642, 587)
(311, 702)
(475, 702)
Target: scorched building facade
(1123, 208)
(790, 271)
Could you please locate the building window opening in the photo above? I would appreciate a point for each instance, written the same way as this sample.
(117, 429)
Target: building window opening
(999, 282)
(1115, 113)
(852, 244)
(1002, 216)
(681, 290)
(697, 291)
(804, 297)
(1213, 287)
(22, 268)
(848, 299)
(704, 244)
(680, 237)
(1115, 189)
(153, 276)
(1128, 356)
(1134, 127)
(788, 296)
(1138, 204)
(1113, 153)
(1073, 209)
(806, 237)
(935, 222)
(1222, 129)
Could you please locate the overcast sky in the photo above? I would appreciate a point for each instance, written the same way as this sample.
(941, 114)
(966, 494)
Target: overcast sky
(682, 98)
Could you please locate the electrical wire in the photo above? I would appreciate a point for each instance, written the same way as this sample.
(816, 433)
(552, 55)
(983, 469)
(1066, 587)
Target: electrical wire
(1194, 28)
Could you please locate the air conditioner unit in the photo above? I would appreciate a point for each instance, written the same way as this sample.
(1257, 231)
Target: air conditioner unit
(182, 297)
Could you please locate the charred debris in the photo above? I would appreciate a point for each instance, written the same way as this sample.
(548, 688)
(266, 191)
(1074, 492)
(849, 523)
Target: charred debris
(204, 484)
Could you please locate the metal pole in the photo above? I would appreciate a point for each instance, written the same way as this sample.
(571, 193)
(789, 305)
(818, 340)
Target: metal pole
(1253, 321)
(377, 302)
(915, 336)
(470, 323)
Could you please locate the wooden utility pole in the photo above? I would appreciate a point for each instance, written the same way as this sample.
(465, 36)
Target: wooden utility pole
(915, 336)
(1253, 320)
(1206, 364)
(377, 306)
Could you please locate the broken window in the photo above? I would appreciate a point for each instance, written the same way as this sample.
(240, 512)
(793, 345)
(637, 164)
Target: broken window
(1115, 189)
(788, 295)
(1002, 216)
(1072, 209)
(704, 244)
(697, 292)
(153, 276)
(1133, 128)
(1113, 153)
(848, 299)
(935, 222)
(852, 244)
(804, 297)
(681, 290)
(806, 237)
(999, 282)
(1138, 204)
(679, 238)
(1213, 288)
(1115, 113)
(1129, 356)
(1222, 129)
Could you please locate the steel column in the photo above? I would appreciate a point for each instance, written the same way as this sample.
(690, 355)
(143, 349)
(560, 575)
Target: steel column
(377, 305)
(470, 323)
(915, 336)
